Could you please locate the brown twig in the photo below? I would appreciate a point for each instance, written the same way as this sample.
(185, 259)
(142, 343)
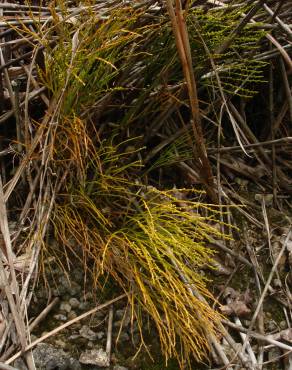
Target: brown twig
(283, 140)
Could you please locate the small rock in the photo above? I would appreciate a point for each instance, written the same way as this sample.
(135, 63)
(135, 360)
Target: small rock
(74, 289)
(76, 326)
(100, 315)
(123, 322)
(95, 357)
(60, 317)
(79, 276)
(277, 283)
(56, 292)
(73, 337)
(74, 303)
(123, 315)
(19, 364)
(283, 325)
(120, 314)
(33, 337)
(88, 297)
(47, 357)
(72, 315)
(118, 367)
(124, 337)
(42, 294)
(100, 335)
(87, 333)
(271, 325)
(65, 306)
(64, 286)
(83, 306)
(60, 343)
(117, 324)
(66, 297)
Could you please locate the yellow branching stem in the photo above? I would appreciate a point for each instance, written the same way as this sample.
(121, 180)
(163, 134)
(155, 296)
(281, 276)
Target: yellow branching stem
(143, 237)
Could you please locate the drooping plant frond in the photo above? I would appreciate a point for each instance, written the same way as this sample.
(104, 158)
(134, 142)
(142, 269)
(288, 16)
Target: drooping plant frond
(146, 240)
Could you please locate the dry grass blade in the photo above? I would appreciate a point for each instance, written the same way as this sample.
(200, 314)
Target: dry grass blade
(183, 47)
(11, 289)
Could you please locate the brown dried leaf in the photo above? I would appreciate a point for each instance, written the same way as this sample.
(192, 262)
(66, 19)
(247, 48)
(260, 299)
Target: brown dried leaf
(237, 308)
(237, 303)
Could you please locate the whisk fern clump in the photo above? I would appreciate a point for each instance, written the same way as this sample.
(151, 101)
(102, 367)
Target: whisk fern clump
(116, 80)
(152, 243)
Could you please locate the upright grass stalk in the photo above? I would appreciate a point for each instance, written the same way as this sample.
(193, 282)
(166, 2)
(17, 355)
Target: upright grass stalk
(183, 47)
